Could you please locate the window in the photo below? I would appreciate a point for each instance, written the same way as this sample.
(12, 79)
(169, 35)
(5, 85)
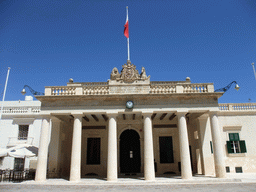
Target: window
(211, 147)
(19, 164)
(235, 145)
(93, 151)
(166, 150)
(23, 132)
(239, 170)
(1, 160)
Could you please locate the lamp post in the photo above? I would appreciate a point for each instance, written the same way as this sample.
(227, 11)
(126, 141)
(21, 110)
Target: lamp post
(23, 92)
(224, 89)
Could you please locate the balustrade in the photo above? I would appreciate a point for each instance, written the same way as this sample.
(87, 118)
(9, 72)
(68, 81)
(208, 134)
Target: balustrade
(195, 88)
(95, 90)
(244, 106)
(63, 90)
(160, 89)
(11, 110)
(156, 87)
(237, 107)
(223, 107)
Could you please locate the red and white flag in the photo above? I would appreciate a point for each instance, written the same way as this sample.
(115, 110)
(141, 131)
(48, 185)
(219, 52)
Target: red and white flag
(126, 26)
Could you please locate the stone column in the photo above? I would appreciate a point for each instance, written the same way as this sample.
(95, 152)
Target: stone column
(149, 171)
(41, 168)
(75, 168)
(112, 148)
(217, 146)
(54, 148)
(186, 172)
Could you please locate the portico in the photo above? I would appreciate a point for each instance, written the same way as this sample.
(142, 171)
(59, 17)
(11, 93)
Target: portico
(163, 117)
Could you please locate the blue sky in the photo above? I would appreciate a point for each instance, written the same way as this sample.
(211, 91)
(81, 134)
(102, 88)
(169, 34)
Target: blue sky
(46, 42)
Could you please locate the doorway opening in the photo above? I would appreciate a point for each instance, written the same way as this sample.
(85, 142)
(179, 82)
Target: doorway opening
(130, 160)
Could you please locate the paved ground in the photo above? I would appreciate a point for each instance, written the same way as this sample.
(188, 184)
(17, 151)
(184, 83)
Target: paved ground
(227, 187)
(233, 182)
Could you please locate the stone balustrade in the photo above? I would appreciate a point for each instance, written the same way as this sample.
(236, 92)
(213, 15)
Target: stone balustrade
(158, 89)
(96, 90)
(195, 88)
(63, 90)
(155, 87)
(12, 110)
(237, 106)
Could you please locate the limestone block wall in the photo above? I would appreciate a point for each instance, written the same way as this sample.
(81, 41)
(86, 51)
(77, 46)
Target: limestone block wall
(204, 155)
(167, 167)
(245, 125)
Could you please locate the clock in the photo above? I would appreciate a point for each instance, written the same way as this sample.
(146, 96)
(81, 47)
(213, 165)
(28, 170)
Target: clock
(129, 104)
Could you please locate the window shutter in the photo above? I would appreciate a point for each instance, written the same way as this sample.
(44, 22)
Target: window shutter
(229, 147)
(234, 136)
(242, 146)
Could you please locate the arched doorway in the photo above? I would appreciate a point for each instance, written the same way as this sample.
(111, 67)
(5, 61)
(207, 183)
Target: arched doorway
(130, 161)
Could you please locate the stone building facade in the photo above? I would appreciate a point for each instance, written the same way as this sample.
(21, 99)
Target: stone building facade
(130, 125)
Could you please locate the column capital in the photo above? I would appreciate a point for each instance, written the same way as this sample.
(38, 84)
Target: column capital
(147, 113)
(211, 113)
(77, 115)
(46, 116)
(181, 113)
(55, 119)
(111, 114)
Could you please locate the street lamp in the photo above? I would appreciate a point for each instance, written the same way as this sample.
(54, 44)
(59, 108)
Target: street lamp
(224, 89)
(23, 92)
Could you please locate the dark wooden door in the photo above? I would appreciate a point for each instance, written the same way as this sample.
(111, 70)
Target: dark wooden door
(130, 161)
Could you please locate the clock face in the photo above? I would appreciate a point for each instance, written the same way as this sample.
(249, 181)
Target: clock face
(129, 104)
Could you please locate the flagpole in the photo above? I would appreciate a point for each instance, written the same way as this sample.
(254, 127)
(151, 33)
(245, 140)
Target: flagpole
(254, 70)
(128, 46)
(128, 49)
(4, 92)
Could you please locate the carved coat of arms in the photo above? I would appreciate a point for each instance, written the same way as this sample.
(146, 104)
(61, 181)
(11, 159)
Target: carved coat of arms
(129, 73)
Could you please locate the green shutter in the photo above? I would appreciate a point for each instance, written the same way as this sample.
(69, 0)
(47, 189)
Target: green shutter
(211, 147)
(234, 137)
(242, 146)
(229, 147)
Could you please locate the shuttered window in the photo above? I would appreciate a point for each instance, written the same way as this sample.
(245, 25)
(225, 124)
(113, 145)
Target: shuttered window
(235, 145)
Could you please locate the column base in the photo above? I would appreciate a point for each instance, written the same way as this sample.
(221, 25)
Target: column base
(152, 179)
(40, 181)
(75, 181)
(112, 180)
(220, 171)
(187, 178)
